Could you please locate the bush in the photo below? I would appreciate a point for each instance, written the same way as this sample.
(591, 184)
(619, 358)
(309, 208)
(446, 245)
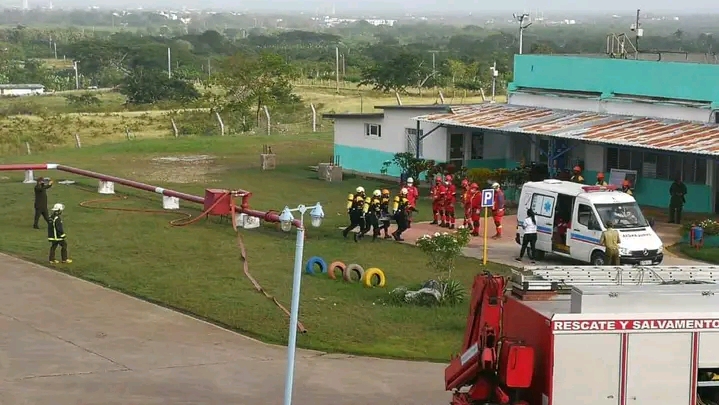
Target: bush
(442, 250)
(710, 226)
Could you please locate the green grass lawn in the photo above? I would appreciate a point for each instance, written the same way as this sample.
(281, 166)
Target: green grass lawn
(705, 254)
(197, 268)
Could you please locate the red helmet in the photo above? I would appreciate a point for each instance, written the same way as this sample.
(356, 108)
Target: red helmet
(577, 169)
(448, 177)
(474, 186)
(465, 183)
(626, 183)
(600, 175)
(438, 179)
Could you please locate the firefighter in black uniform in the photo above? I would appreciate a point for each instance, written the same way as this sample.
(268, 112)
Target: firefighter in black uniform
(401, 208)
(56, 234)
(372, 212)
(355, 206)
(385, 216)
(41, 201)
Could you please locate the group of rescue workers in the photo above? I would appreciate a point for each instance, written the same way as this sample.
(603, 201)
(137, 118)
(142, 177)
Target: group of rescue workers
(375, 212)
(578, 178)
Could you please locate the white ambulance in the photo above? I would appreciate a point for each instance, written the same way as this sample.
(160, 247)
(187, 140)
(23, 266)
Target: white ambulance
(571, 217)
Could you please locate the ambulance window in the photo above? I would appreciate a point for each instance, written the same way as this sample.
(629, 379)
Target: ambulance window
(543, 205)
(585, 216)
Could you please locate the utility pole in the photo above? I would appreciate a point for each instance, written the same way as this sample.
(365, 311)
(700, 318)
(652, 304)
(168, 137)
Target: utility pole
(638, 32)
(54, 44)
(209, 69)
(493, 69)
(77, 76)
(434, 65)
(169, 63)
(337, 68)
(521, 18)
(344, 67)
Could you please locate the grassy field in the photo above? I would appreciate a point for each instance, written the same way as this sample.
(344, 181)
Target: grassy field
(49, 121)
(197, 268)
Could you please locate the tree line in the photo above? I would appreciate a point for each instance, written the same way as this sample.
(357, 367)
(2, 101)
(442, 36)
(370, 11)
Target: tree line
(243, 74)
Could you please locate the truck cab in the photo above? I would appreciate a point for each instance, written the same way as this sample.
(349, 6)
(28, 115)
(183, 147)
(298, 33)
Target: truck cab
(571, 218)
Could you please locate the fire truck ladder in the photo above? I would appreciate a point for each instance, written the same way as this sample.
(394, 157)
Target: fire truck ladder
(560, 279)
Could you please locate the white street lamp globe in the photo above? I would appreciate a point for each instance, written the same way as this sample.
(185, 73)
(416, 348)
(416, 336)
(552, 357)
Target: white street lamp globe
(286, 219)
(317, 215)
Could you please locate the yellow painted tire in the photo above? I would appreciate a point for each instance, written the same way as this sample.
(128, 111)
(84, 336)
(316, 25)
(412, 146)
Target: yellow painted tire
(336, 266)
(370, 274)
(350, 269)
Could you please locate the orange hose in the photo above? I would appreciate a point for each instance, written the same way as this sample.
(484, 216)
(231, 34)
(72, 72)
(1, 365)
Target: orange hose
(188, 219)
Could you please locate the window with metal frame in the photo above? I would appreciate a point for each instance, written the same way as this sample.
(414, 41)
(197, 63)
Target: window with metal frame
(658, 165)
(543, 205)
(477, 146)
(411, 135)
(373, 130)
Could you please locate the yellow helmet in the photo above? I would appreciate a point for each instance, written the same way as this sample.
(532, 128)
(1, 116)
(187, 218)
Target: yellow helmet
(385, 192)
(404, 191)
(376, 193)
(359, 190)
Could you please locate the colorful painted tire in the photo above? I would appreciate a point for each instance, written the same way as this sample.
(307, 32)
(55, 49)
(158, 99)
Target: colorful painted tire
(353, 268)
(374, 273)
(336, 266)
(315, 260)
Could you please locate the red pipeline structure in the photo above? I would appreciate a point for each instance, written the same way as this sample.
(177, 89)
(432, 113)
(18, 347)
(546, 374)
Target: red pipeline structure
(215, 202)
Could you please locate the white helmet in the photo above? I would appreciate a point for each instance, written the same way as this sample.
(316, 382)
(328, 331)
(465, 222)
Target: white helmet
(377, 193)
(58, 207)
(404, 191)
(495, 185)
(410, 180)
(359, 190)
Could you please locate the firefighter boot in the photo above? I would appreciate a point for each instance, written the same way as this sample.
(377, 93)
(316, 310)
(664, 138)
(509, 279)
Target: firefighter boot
(436, 217)
(475, 228)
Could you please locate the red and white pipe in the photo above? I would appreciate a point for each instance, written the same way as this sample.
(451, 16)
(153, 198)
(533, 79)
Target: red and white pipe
(244, 208)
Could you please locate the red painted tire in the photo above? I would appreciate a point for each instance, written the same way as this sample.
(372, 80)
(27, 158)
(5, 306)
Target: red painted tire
(338, 265)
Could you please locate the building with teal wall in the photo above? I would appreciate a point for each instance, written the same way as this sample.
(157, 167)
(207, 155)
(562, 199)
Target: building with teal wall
(663, 90)
(555, 102)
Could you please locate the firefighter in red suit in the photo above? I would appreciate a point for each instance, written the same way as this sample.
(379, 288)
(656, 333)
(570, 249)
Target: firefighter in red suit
(475, 198)
(412, 196)
(498, 210)
(450, 199)
(466, 204)
(437, 196)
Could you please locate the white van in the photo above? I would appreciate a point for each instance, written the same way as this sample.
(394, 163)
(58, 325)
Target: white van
(571, 217)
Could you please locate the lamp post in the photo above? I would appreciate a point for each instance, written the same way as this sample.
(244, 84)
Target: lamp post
(286, 218)
(495, 73)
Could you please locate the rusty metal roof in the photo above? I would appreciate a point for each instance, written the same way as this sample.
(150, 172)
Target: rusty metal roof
(639, 132)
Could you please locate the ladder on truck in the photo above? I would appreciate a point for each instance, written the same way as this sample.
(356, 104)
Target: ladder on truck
(560, 279)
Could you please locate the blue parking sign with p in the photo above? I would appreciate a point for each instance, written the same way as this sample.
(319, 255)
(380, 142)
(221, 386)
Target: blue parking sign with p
(488, 198)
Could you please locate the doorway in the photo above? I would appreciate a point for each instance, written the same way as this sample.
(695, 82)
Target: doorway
(456, 150)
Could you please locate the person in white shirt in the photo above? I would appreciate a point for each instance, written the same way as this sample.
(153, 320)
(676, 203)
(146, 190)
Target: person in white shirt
(530, 236)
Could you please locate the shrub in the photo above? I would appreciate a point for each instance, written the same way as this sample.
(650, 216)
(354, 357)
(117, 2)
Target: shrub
(710, 226)
(442, 250)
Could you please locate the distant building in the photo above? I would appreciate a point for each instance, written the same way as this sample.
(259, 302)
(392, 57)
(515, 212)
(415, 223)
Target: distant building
(21, 89)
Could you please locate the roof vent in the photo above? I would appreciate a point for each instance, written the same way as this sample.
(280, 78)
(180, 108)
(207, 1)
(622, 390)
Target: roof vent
(553, 181)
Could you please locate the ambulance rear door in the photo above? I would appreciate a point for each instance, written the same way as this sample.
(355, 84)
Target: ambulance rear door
(543, 203)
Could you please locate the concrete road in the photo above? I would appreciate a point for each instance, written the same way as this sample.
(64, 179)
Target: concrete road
(64, 341)
(504, 250)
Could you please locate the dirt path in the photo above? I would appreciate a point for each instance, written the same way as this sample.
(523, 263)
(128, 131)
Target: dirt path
(66, 341)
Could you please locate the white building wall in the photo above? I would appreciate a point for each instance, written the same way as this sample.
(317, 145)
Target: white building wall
(434, 146)
(634, 109)
(351, 132)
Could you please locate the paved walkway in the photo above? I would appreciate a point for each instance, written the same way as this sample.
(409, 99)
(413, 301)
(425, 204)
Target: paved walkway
(503, 251)
(64, 341)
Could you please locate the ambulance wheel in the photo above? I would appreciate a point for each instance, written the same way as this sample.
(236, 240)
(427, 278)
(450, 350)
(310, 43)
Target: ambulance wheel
(539, 255)
(597, 258)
